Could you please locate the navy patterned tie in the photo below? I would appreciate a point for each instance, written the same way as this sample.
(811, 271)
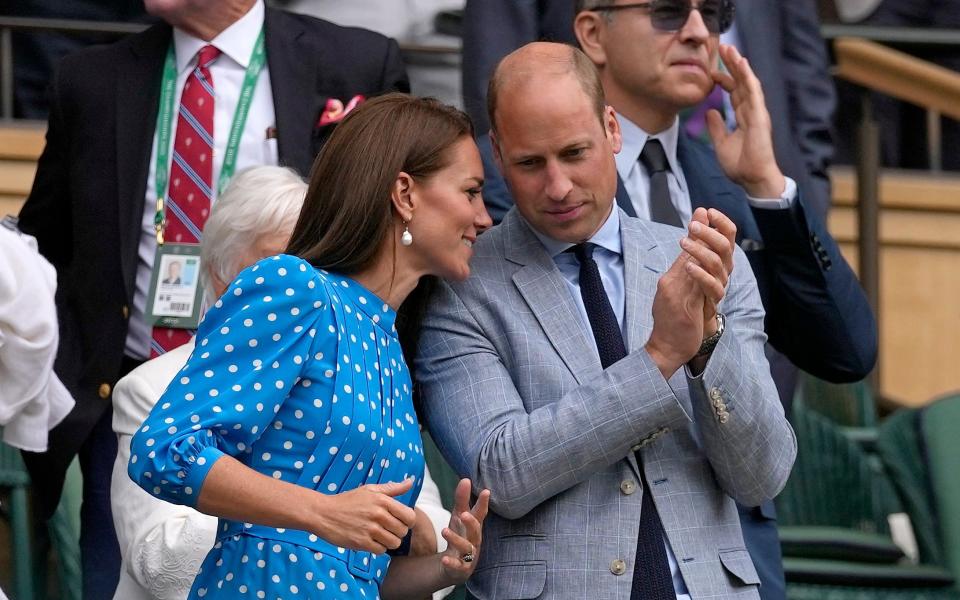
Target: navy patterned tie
(651, 571)
(603, 321)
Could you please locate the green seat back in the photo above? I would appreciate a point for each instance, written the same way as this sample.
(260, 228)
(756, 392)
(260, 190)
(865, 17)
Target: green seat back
(848, 404)
(899, 446)
(833, 482)
(940, 424)
(13, 473)
(872, 575)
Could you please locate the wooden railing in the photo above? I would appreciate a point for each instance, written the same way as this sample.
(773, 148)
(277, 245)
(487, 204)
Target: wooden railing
(900, 75)
(876, 68)
(20, 145)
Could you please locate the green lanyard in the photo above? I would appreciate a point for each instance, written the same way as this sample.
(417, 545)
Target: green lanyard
(165, 125)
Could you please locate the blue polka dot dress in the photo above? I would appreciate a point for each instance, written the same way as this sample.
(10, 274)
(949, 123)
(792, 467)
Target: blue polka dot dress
(299, 375)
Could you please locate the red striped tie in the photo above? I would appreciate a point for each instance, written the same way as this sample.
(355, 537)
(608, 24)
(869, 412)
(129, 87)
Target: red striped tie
(190, 188)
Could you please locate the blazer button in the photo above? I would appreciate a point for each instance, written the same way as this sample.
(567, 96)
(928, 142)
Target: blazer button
(636, 448)
(618, 567)
(104, 390)
(125, 311)
(723, 418)
(628, 487)
(715, 395)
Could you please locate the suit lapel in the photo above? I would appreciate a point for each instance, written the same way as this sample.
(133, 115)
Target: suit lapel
(642, 269)
(293, 64)
(138, 95)
(545, 292)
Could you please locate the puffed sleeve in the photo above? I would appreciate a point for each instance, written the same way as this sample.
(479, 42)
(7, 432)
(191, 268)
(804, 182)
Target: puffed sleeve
(250, 351)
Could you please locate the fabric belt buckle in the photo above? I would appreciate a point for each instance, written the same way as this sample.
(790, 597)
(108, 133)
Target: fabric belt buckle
(360, 564)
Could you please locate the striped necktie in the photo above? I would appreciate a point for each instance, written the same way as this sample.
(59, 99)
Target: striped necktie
(190, 188)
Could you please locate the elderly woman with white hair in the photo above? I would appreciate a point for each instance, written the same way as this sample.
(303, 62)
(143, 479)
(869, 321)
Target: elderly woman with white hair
(162, 544)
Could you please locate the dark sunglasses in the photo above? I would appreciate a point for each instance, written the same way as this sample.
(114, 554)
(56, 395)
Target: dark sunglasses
(672, 15)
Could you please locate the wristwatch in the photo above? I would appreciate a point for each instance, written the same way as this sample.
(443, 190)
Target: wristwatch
(707, 346)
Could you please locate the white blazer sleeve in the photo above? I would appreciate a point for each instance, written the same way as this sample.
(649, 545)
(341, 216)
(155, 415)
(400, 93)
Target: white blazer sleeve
(162, 544)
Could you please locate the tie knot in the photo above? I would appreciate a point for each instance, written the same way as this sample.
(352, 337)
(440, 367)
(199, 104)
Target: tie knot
(207, 55)
(583, 252)
(653, 157)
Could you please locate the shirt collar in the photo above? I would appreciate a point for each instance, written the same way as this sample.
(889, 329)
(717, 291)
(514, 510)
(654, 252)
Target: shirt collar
(236, 41)
(634, 140)
(607, 237)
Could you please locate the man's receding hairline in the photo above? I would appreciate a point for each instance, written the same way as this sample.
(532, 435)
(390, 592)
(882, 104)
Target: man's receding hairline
(551, 62)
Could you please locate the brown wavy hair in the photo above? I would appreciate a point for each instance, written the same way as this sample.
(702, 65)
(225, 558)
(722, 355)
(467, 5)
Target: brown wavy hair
(347, 213)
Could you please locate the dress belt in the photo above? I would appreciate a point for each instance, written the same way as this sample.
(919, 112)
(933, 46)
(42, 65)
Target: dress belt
(361, 564)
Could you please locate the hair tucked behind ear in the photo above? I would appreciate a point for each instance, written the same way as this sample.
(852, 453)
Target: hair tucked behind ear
(348, 213)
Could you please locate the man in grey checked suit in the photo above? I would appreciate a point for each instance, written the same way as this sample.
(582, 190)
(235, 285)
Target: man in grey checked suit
(514, 389)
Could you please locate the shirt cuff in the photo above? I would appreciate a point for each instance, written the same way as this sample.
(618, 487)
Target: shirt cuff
(197, 473)
(785, 200)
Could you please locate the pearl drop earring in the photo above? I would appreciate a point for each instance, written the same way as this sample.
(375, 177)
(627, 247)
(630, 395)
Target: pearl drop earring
(407, 238)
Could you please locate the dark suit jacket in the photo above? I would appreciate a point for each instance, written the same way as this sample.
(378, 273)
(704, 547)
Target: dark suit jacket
(817, 313)
(87, 200)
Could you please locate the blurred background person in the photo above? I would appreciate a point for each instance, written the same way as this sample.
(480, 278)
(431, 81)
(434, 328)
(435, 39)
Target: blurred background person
(163, 544)
(411, 22)
(111, 152)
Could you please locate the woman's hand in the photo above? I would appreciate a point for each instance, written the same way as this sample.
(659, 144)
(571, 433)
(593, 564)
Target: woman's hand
(366, 518)
(464, 534)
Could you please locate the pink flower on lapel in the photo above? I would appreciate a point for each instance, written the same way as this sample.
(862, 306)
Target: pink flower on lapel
(335, 111)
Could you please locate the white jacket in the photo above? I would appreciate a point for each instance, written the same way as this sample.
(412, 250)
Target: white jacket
(32, 399)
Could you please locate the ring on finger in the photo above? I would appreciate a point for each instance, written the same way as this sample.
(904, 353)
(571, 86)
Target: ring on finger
(468, 557)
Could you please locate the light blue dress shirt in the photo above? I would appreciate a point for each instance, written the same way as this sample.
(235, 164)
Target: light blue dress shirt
(609, 258)
(637, 181)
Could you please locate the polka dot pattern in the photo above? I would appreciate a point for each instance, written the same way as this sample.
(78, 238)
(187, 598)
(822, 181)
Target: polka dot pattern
(287, 379)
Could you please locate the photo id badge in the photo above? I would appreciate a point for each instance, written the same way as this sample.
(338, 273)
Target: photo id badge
(176, 295)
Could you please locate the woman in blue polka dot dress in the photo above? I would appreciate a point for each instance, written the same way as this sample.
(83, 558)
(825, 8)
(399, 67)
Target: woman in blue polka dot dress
(293, 420)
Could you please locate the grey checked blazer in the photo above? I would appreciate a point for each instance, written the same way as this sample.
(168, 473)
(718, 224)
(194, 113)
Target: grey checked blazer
(516, 399)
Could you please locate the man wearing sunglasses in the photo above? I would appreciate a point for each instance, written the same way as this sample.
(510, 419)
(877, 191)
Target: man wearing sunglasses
(781, 39)
(657, 58)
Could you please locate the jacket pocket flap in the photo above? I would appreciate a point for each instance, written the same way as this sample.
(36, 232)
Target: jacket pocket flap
(512, 580)
(739, 564)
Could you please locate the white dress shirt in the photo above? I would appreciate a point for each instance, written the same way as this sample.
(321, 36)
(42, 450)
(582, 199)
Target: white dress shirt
(636, 180)
(228, 71)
